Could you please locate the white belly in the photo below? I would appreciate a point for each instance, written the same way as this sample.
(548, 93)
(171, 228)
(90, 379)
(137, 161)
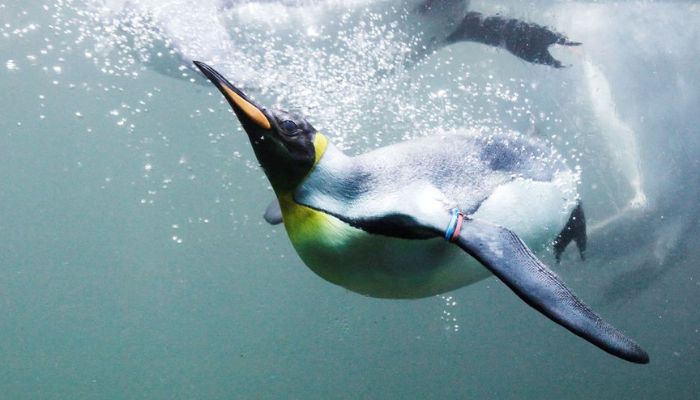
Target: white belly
(535, 211)
(388, 267)
(382, 266)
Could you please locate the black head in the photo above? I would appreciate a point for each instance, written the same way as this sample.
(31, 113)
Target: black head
(284, 143)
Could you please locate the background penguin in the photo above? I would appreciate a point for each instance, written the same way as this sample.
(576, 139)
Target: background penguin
(375, 223)
(234, 31)
(429, 24)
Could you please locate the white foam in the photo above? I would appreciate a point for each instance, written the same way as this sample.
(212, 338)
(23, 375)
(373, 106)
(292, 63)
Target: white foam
(618, 136)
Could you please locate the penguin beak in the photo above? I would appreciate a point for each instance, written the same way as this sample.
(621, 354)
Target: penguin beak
(252, 116)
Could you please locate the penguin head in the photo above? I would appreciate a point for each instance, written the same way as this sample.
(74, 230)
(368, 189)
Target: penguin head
(286, 145)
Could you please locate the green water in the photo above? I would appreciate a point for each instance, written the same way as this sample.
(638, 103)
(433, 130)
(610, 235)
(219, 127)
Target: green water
(135, 265)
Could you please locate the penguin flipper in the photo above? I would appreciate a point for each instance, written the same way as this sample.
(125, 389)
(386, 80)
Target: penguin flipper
(273, 213)
(507, 257)
(525, 40)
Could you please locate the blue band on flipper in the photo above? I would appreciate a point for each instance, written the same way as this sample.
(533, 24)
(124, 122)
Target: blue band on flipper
(453, 223)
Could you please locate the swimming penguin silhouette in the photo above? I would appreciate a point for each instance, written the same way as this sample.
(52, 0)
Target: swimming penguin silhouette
(425, 25)
(426, 216)
(234, 33)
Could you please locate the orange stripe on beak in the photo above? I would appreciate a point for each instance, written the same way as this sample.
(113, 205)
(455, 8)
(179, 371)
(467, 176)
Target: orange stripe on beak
(251, 111)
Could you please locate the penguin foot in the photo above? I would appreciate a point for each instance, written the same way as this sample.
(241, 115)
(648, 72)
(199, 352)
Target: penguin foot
(574, 230)
(525, 40)
(531, 42)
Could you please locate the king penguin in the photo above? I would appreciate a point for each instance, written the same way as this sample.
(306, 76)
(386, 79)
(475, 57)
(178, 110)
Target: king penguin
(426, 216)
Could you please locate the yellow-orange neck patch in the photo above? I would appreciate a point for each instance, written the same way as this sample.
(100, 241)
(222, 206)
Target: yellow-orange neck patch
(320, 145)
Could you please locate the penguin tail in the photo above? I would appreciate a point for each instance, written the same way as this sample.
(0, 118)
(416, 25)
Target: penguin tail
(574, 230)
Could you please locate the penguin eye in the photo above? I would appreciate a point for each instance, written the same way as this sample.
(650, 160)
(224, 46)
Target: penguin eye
(289, 126)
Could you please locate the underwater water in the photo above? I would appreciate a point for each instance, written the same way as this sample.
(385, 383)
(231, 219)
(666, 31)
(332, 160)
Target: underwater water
(136, 264)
